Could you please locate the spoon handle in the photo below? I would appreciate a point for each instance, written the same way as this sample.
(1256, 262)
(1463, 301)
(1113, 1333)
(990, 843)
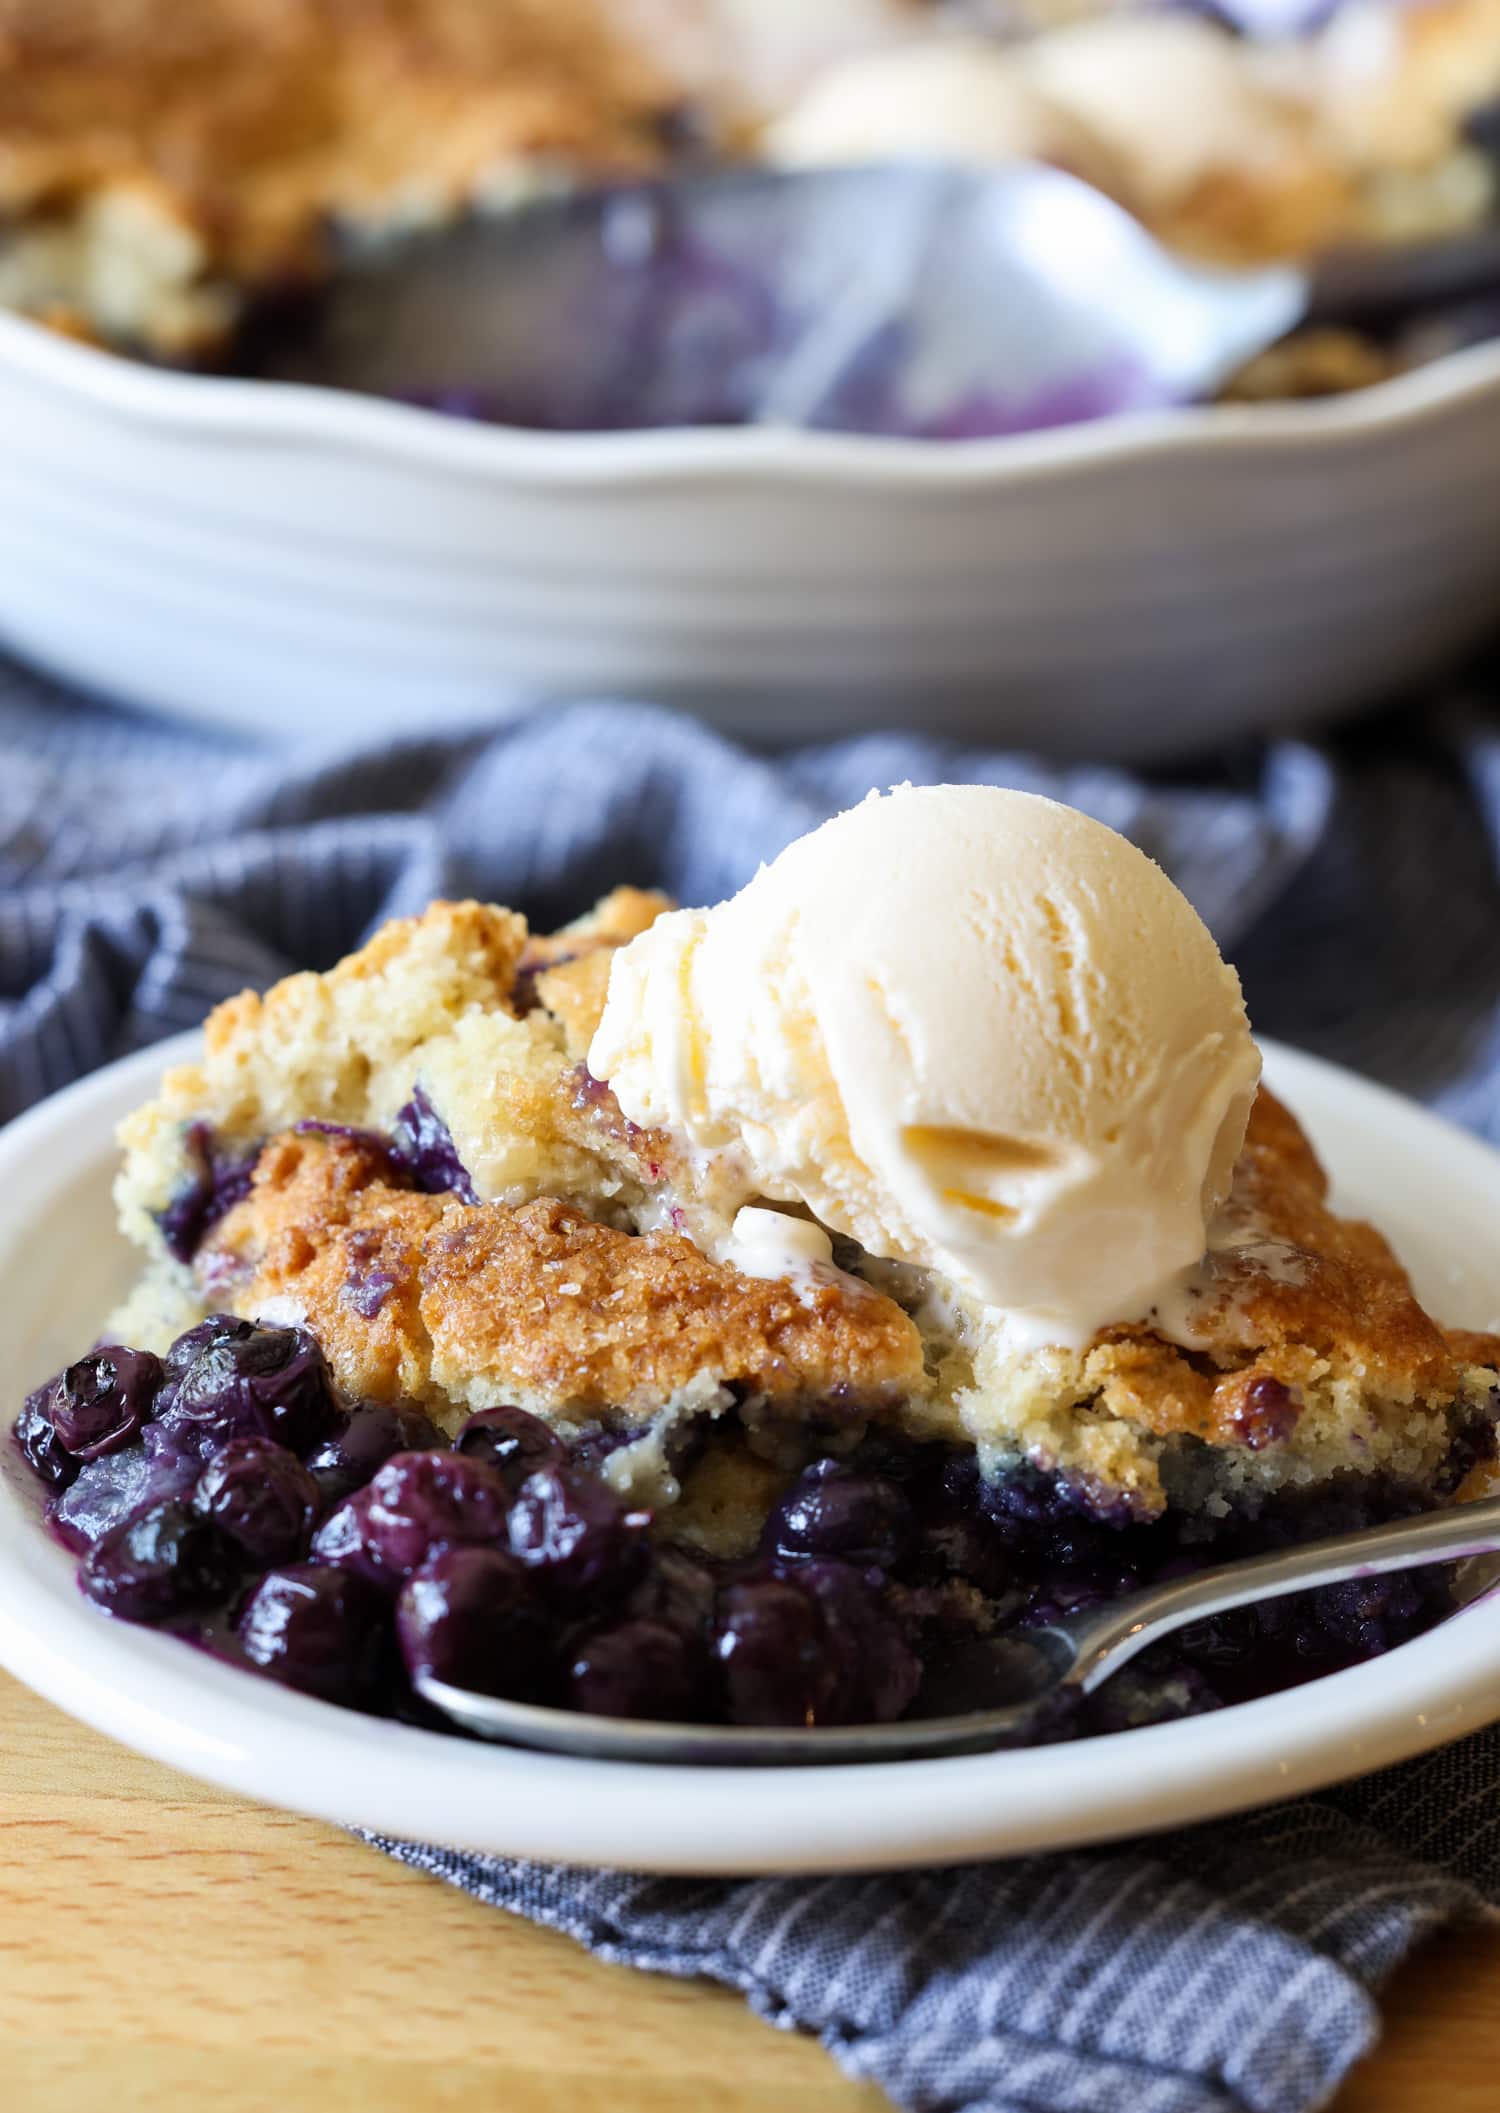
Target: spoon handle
(1378, 281)
(1104, 1638)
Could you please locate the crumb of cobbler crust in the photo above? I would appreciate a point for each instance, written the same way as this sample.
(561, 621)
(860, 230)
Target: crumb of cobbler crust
(538, 1305)
(1311, 1356)
(158, 158)
(1308, 1355)
(1325, 361)
(569, 970)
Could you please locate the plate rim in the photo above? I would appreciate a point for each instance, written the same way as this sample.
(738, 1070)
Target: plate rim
(195, 405)
(251, 1736)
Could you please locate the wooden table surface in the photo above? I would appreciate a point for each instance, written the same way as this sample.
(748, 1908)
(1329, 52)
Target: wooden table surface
(161, 1942)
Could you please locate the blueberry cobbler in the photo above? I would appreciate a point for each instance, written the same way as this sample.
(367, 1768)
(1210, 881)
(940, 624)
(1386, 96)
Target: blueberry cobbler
(748, 1315)
(185, 183)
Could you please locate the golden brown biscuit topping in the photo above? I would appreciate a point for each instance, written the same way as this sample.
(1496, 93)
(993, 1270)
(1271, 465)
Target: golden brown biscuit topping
(453, 1305)
(253, 121)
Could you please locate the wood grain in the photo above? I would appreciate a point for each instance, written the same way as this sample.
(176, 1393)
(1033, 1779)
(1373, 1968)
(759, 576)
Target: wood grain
(162, 1943)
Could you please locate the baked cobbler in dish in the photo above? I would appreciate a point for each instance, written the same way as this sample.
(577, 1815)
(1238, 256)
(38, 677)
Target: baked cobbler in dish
(161, 165)
(442, 1360)
(182, 182)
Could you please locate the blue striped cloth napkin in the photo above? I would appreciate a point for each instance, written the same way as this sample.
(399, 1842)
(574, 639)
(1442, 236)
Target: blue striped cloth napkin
(146, 872)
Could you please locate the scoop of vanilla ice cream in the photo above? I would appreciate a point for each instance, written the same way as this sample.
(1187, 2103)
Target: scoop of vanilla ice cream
(973, 1030)
(955, 98)
(1174, 99)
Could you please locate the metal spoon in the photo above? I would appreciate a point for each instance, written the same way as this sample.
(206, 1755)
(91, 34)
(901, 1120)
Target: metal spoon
(1031, 1672)
(922, 301)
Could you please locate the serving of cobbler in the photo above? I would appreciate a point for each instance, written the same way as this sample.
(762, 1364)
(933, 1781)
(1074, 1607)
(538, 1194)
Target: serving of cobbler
(441, 1362)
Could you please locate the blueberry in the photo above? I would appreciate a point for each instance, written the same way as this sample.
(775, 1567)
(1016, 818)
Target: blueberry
(364, 1441)
(102, 1402)
(511, 1441)
(1061, 1590)
(772, 1655)
(40, 1447)
(216, 1181)
(833, 1510)
(253, 1382)
(677, 1590)
(205, 1335)
(575, 1532)
(115, 1487)
(262, 1497)
(422, 1143)
(416, 1504)
(469, 1617)
(1268, 1413)
(1222, 1639)
(637, 1669)
(877, 1671)
(320, 1629)
(1364, 1616)
(163, 1562)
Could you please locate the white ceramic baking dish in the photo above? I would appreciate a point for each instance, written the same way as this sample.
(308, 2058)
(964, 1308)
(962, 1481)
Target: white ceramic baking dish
(292, 559)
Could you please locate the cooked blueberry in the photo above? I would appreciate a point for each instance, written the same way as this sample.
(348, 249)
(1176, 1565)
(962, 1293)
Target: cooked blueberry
(217, 1180)
(204, 1335)
(101, 1403)
(575, 1532)
(261, 1496)
(416, 1504)
(41, 1448)
(346, 1459)
(770, 1644)
(1222, 1640)
(115, 1487)
(165, 1561)
(469, 1617)
(1065, 1589)
(637, 1669)
(1268, 1413)
(833, 1510)
(677, 1590)
(877, 1671)
(591, 1448)
(263, 1383)
(1364, 1616)
(511, 1441)
(422, 1143)
(1048, 1510)
(319, 1629)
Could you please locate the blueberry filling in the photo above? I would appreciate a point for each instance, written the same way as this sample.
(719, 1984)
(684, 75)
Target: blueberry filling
(320, 1629)
(164, 1561)
(363, 1440)
(419, 1153)
(225, 1492)
(415, 1504)
(367, 1285)
(217, 1180)
(100, 1404)
(422, 1143)
(511, 1441)
(261, 1497)
(469, 1617)
(250, 1382)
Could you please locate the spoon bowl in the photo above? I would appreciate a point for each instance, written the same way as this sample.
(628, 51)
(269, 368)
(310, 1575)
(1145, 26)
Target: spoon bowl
(920, 301)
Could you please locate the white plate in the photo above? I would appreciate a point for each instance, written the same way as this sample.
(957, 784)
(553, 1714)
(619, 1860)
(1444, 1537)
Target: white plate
(296, 560)
(1432, 1188)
